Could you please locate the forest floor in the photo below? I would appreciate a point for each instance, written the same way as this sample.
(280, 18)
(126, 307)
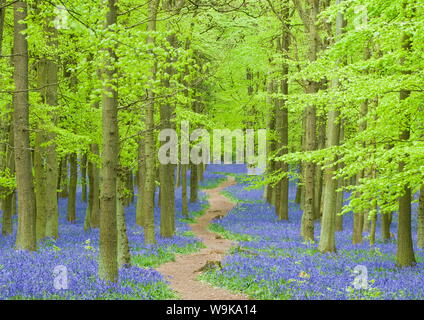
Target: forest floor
(271, 260)
(184, 271)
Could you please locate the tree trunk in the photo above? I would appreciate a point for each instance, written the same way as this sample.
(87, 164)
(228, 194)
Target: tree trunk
(373, 226)
(63, 178)
(149, 190)
(298, 196)
(140, 214)
(420, 220)
(83, 167)
(307, 228)
(405, 251)
(184, 190)
(340, 195)
(358, 217)
(194, 183)
(385, 226)
(200, 172)
(269, 189)
(328, 222)
(72, 193)
(129, 182)
(26, 238)
(4, 119)
(7, 225)
(319, 179)
(40, 184)
(166, 171)
(339, 206)
(92, 219)
(124, 256)
(283, 123)
(48, 69)
(108, 266)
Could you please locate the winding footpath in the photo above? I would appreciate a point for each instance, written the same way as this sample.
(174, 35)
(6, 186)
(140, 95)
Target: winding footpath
(182, 272)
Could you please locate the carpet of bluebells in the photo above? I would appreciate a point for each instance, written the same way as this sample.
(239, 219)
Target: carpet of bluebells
(272, 261)
(25, 275)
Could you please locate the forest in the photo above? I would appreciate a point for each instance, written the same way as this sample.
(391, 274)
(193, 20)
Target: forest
(300, 177)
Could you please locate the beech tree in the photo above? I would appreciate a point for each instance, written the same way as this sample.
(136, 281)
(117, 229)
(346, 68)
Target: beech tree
(108, 263)
(26, 237)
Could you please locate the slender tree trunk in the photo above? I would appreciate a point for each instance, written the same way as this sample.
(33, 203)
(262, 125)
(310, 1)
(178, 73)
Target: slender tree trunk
(277, 144)
(302, 167)
(130, 187)
(166, 171)
(124, 256)
(63, 184)
(269, 189)
(149, 191)
(283, 122)
(2, 15)
(7, 225)
(166, 201)
(84, 177)
(200, 172)
(420, 220)
(184, 190)
(319, 179)
(40, 184)
(373, 216)
(140, 214)
(47, 207)
(93, 213)
(385, 226)
(48, 71)
(340, 195)
(405, 251)
(358, 217)
(72, 193)
(194, 183)
(373, 226)
(298, 193)
(4, 119)
(328, 222)
(339, 206)
(52, 223)
(108, 264)
(26, 238)
(366, 218)
(177, 176)
(307, 227)
(87, 218)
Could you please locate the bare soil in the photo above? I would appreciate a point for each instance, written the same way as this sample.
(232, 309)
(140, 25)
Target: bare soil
(182, 272)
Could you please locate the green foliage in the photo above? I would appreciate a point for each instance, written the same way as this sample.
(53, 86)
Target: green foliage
(7, 182)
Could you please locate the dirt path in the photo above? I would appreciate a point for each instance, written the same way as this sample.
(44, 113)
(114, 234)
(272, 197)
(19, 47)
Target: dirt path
(182, 272)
